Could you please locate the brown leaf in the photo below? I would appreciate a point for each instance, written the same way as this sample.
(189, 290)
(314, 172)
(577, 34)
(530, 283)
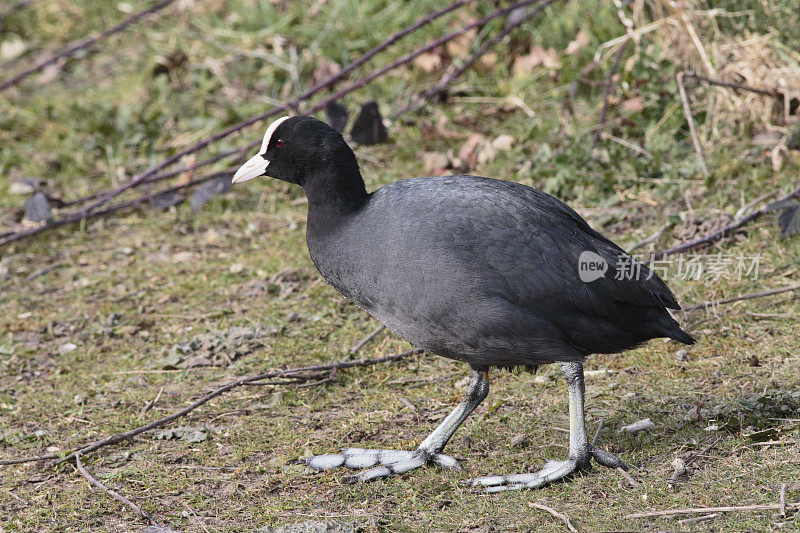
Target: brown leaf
(633, 105)
(459, 46)
(538, 56)
(434, 163)
(576, 45)
(428, 62)
(468, 153)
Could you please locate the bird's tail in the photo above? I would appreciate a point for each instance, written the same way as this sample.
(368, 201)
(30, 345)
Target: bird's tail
(681, 336)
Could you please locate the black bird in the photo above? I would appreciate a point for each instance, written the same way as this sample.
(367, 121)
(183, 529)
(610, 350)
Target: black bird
(489, 272)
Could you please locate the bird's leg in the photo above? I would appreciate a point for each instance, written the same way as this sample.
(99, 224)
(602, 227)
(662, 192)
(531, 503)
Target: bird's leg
(580, 451)
(383, 463)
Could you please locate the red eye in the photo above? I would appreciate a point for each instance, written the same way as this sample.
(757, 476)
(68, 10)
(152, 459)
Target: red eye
(279, 143)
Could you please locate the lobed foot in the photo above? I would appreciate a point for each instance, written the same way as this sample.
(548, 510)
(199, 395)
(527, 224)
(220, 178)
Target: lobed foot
(551, 471)
(379, 463)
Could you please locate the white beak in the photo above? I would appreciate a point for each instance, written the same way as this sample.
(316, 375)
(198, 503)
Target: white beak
(255, 167)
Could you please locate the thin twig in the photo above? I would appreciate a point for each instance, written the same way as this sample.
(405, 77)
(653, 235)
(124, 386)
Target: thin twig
(714, 236)
(597, 431)
(782, 499)
(366, 340)
(152, 402)
(738, 86)
(561, 516)
(16, 7)
(682, 464)
(163, 176)
(750, 296)
(628, 477)
(697, 519)
(687, 112)
(652, 238)
(114, 494)
(727, 509)
(601, 119)
(83, 44)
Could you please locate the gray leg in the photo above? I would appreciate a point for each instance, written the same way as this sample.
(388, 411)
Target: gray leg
(398, 461)
(580, 451)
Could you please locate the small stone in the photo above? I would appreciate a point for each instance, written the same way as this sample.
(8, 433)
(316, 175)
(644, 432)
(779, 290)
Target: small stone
(67, 347)
(79, 399)
(236, 268)
(126, 251)
(682, 355)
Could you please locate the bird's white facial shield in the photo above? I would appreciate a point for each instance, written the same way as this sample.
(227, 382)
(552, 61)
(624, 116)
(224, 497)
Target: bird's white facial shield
(257, 165)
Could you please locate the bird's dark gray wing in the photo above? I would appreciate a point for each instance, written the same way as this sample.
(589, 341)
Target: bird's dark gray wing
(534, 241)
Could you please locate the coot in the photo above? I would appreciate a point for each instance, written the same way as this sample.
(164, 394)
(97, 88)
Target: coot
(489, 272)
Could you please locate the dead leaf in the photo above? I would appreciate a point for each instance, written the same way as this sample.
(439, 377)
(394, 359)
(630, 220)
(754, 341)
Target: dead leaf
(428, 62)
(488, 61)
(633, 105)
(459, 46)
(468, 152)
(49, 73)
(777, 157)
(576, 45)
(325, 69)
(503, 142)
(538, 56)
(434, 163)
(186, 177)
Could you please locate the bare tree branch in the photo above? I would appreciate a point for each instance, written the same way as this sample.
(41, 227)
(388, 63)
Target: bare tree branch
(114, 494)
(41, 64)
(721, 233)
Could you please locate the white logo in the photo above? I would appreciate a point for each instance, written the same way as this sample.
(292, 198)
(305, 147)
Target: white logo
(591, 266)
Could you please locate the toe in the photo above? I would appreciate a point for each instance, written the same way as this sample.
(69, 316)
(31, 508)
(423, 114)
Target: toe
(372, 474)
(445, 461)
(608, 460)
(325, 462)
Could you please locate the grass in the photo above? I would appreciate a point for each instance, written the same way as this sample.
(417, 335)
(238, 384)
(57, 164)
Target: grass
(125, 289)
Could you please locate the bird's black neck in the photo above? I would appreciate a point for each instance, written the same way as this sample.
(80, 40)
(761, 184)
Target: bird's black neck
(334, 193)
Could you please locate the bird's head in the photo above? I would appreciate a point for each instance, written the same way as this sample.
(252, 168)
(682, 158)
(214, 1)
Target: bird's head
(296, 149)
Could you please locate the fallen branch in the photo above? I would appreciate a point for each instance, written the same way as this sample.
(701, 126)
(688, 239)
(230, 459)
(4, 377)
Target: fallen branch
(144, 176)
(738, 86)
(129, 204)
(561, 516)
(162, 177)
(732, 508)
(41, 64)
(16, 7)
(601, 120)
(687, 112)
(652, 238)
(682, 465)
(114, 494)
(721, 233)
(628, 477)
(120, 437)
(750, 296)
(366, 340)
(426, 48)
(448, 78)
